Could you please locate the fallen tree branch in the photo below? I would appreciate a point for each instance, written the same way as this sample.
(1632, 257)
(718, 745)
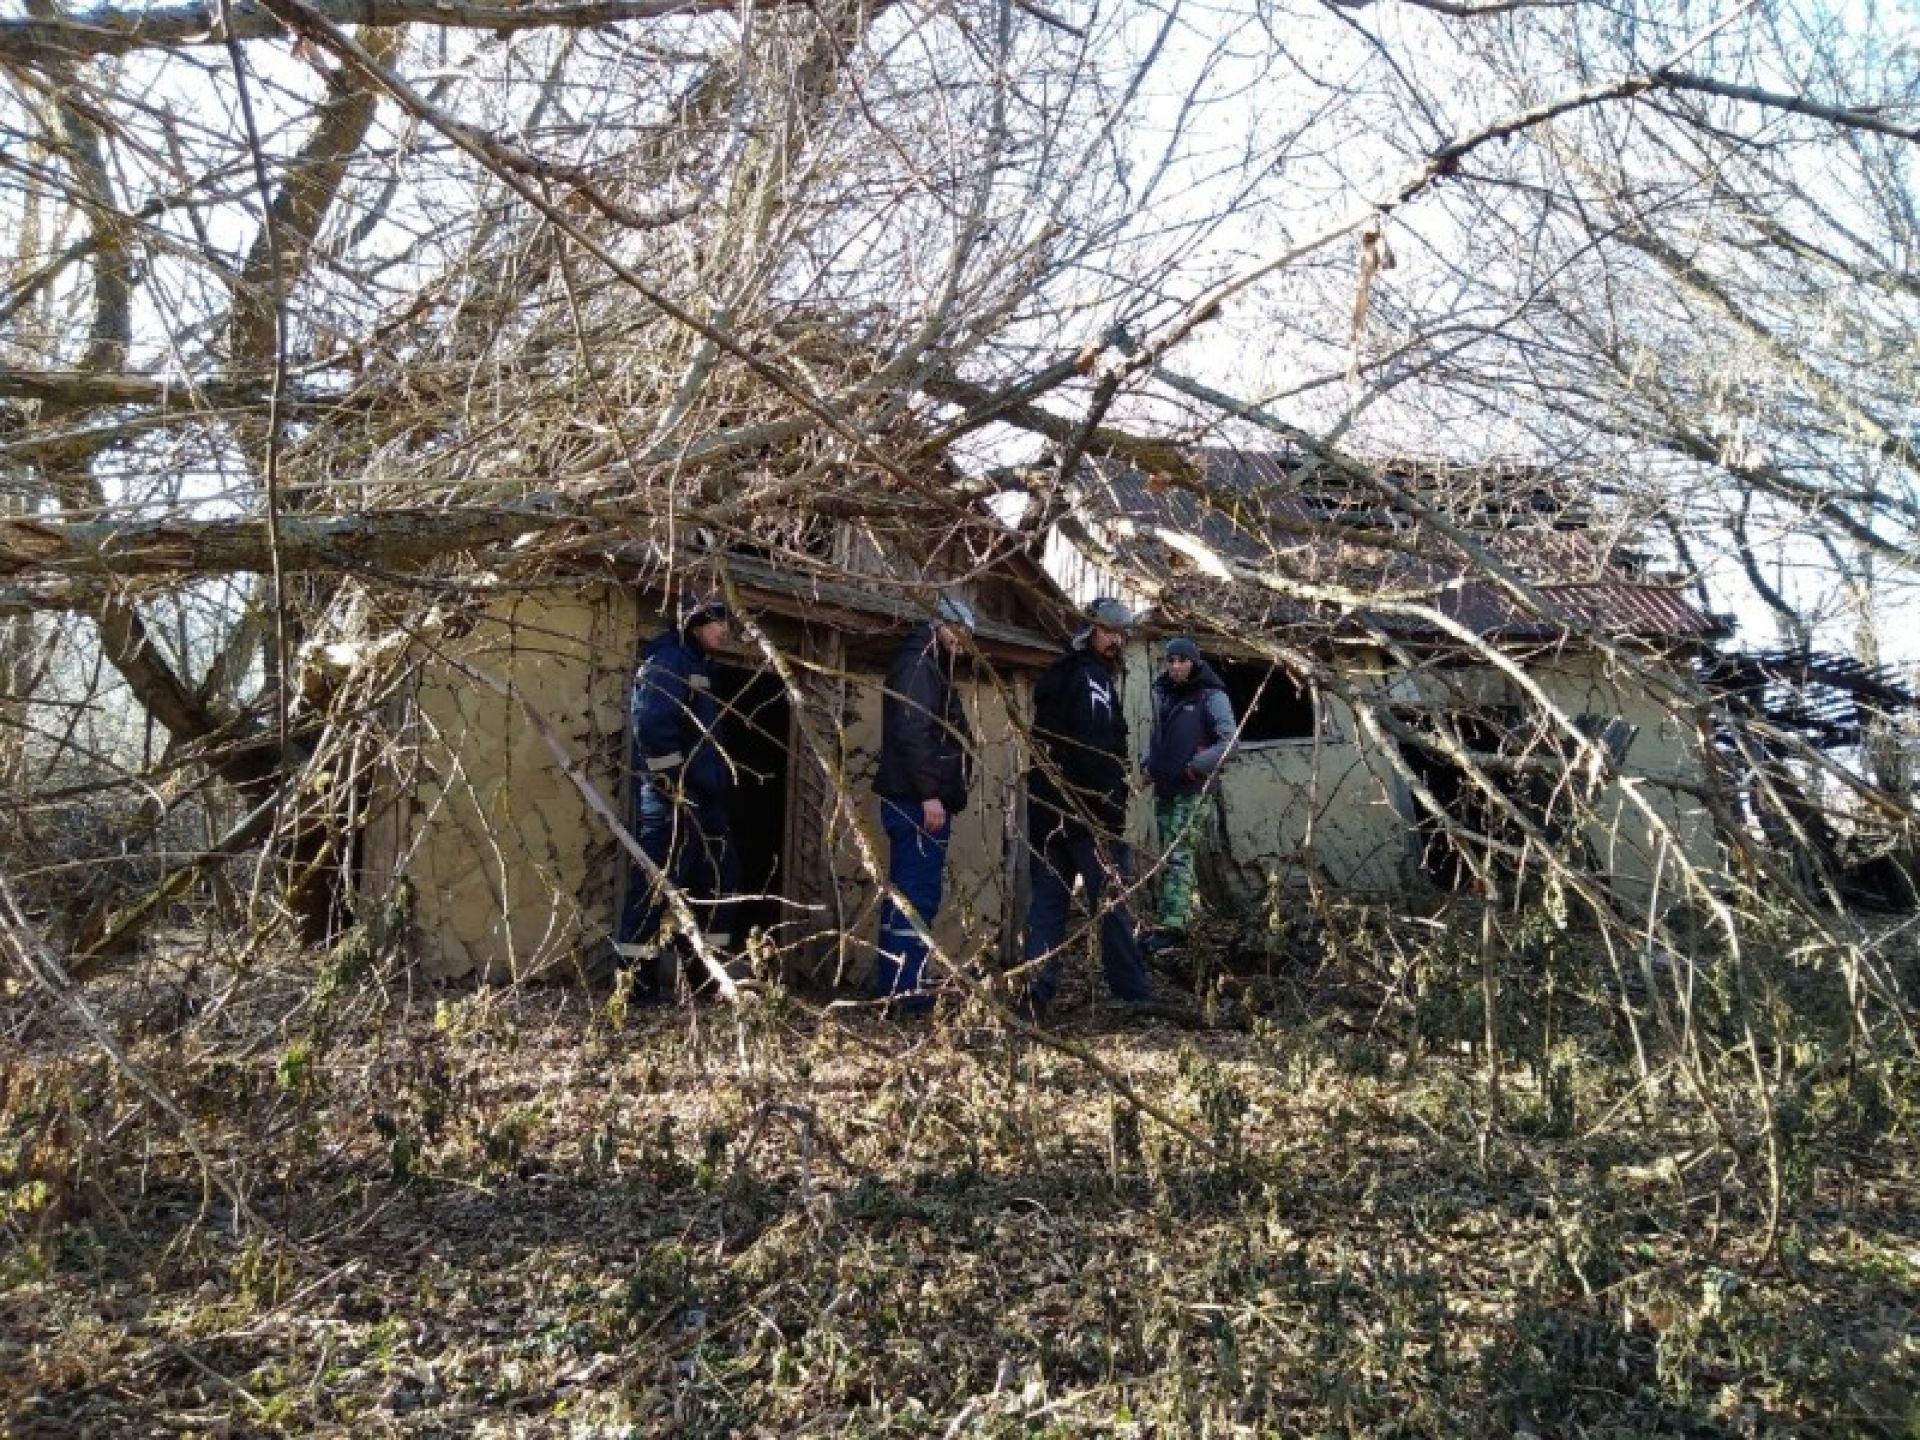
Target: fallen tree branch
(124, 928)
(116, 31)
(36, 957)
(388, 539)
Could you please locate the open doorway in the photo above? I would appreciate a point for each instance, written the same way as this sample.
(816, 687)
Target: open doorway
(1448, 846)
(758, 721)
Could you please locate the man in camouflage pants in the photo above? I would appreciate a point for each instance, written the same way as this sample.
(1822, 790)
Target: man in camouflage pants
(1192, 732)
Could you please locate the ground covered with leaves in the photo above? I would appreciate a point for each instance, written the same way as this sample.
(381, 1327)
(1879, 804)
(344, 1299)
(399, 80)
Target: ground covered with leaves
(526, 1210)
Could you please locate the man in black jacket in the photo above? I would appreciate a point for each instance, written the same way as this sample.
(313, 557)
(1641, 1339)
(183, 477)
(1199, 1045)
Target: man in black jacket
(1077, 808)
(922, 784)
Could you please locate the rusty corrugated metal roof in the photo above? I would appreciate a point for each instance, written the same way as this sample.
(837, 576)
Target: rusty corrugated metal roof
(1274, 513)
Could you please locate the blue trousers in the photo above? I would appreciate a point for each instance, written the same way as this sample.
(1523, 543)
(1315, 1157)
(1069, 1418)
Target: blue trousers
(693, 846)
(1054, 865)
(916, 867)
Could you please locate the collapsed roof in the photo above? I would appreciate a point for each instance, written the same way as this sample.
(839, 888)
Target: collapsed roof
(1826, 698)
(1284, 540)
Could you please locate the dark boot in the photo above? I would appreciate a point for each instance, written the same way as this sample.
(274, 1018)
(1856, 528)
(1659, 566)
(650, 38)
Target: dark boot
(1166, 951)
(1158, 942)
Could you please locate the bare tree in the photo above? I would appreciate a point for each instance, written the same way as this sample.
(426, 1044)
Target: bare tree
(307, 303)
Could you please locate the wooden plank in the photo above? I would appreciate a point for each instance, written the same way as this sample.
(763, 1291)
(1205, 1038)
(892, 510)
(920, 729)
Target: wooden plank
(810, 798)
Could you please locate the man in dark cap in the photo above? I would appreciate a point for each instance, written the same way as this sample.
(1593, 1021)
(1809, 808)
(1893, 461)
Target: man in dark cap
(1077, 809)
(922, 782)
(1192, 732)
(681, 784)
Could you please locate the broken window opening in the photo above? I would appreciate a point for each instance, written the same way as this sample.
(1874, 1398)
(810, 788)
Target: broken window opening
(1268, 702)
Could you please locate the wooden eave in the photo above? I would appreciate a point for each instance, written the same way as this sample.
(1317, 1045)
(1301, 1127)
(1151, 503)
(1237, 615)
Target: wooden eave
(849, 606)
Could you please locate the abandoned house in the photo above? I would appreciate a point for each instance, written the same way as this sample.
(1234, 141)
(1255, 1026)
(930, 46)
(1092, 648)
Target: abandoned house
(1358, 646)
(1246, 543)
(515, 874)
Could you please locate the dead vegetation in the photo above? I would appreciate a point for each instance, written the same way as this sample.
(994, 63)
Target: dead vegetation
(315, 344)
(524, 1210)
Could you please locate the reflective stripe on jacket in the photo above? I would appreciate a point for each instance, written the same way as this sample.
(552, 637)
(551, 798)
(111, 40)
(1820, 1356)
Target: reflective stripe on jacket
(675, 719)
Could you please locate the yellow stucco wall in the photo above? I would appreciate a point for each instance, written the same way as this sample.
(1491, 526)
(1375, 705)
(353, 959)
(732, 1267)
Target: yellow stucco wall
(1333, 808)
(1636, 837)
(510, 867)
(1288, 810)
(515, 875)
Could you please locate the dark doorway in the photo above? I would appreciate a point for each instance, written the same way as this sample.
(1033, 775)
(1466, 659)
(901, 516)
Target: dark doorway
(1447, 854)
(758, 719)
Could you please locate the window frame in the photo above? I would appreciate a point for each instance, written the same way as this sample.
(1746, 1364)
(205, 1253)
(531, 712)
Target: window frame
(1321, 728)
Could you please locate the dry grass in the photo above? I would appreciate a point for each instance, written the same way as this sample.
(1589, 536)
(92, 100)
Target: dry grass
(502, 1213)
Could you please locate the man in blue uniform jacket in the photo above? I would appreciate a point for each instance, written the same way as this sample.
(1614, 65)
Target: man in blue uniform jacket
(681, 785)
